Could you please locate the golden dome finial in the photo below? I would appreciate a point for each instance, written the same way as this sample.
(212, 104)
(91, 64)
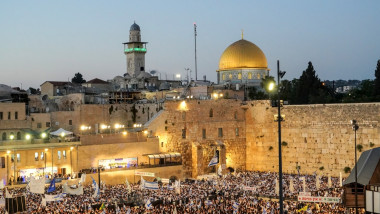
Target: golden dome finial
(242, 34)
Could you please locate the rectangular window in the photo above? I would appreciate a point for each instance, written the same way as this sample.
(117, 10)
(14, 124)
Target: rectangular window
(18, 158)
(39, 125)
(9, 115)
(36, 156)
(47, 124)
(1, 115)
(42, 155)
(237, 131)
(2, 162)
(59, 155)
(64, 154)
(70, 122)
(220, 132)
(183, 133)
(204, 133)
(16, 115)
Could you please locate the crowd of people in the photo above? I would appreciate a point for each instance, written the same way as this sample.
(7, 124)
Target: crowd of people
(225, 194)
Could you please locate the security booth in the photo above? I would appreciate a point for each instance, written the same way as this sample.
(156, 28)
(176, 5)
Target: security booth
(368, 173)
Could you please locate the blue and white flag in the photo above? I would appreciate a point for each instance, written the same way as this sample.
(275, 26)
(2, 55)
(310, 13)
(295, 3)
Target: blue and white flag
(150, 185)
(148, 204)
(52, 186)
(96, 188)
(235, 205)
(214, 161)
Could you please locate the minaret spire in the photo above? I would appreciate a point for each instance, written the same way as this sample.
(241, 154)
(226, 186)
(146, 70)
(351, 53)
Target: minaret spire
(242, 34)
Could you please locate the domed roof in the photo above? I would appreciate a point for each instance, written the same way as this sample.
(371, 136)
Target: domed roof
(135, 27)
(242, 54)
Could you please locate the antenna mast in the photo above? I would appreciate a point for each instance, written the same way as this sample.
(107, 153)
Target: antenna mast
(195, 53)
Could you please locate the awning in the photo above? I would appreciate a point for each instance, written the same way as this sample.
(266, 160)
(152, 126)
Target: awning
(164, 155)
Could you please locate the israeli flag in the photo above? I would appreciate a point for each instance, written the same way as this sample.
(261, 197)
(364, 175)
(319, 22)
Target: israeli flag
(208, 202)
(214, 161)
(52, 186)
(235, 205)
(97, 191)
(148, 204)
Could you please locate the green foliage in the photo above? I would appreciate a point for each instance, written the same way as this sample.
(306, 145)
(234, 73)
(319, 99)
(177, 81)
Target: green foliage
(347, 169)
(376, 91)
(359, 147)
(284, 143)
(371, 144)
(254, 94)
(321, 168)
(78, 78)
(110, 110)
(270, 148)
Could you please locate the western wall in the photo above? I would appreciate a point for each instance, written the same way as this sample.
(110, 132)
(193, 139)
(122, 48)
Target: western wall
(318, 138)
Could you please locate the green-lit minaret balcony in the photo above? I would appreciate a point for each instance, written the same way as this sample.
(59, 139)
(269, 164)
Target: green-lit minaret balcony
(127, 50)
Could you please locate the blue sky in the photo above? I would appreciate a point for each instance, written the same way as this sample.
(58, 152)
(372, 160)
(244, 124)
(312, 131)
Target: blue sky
(53, 40)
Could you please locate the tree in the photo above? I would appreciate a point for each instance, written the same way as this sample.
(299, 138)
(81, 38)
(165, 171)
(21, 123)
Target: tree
(377, 81)
(78, 78)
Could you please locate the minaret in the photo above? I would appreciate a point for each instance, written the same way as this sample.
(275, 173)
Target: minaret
(135, 51)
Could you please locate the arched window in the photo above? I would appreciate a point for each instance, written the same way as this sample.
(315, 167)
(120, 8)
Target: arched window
(236, 115)
(239, 76)
(230, 76)
(250, 75)
(211, 114)
(4, 136)
(18, 135)
(258, 76)
(224, 77)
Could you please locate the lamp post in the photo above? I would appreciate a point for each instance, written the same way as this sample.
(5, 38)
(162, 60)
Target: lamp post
(279, 118)
(355, 127)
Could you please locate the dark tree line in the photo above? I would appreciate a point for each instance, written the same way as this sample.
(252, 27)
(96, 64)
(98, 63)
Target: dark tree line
(309, 89)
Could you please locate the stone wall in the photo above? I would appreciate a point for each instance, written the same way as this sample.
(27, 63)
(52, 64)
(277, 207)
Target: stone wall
(319, 137)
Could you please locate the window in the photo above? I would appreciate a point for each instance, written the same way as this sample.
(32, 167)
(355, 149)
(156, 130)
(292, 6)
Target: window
(250, 75)
(47, 124)
(211, 113)
(4, 137)
(235, 115)
(258, 76)
(18, 158)
(42, 155)
(1, 115)
(16, 115)
(239, 76)
(204, 133)
(2, 162)
(183, 133)
(70, 122)
(237, 131)
(162, 144)
(9, 115)
(230, 76)
(64, 154)
(59, 155)
(141, 68)
(18, 135)
(223, 77)
(39, 125)
(166, 128)
(36, 156)
(220, 132)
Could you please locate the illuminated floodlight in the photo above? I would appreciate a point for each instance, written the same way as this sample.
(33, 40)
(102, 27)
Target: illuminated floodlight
(43, 135)
(11, 137)
(27, 136)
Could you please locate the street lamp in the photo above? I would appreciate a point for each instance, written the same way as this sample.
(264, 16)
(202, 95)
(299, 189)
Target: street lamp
(355, 127)
(279, 118)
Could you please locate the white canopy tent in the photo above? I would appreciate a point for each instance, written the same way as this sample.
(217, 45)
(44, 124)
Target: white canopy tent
(61, 132)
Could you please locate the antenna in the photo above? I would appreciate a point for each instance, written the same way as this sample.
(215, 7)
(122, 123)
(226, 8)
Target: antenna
(195, 52)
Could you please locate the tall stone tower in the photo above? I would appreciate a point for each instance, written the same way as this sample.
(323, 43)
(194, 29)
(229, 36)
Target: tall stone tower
(135, 51)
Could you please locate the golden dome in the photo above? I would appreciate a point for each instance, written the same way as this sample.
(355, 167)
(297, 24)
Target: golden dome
(242, 54)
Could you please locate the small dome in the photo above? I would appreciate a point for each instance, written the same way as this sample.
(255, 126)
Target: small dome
(135, 27)
(242, 54)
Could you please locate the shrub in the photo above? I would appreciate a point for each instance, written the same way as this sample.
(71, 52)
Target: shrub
(371, 144)
(359, 147)
(284, 143)
(347, 169)
(270, 148)
(321, 168)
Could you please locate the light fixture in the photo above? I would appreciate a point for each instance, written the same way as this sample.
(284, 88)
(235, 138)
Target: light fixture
(71, 148)
(124, 133)
(43, 135)
(46, 149)
(11, 137)
(8, 152)
(62, 134)
(27, 136)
